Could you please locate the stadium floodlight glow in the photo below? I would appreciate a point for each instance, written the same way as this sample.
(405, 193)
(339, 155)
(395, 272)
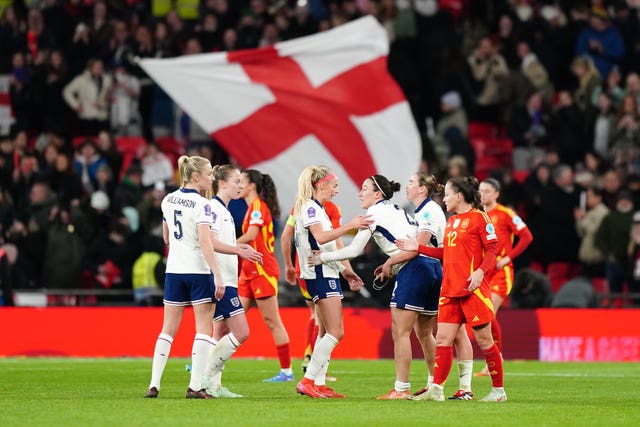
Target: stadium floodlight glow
(302, 3)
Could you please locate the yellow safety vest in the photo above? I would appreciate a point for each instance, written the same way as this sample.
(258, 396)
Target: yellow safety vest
(160, 8)
(143, 270)
(188, 9)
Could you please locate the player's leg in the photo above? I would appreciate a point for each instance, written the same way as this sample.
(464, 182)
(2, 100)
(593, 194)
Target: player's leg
(170, 324)
(402, 322)
(464, 354)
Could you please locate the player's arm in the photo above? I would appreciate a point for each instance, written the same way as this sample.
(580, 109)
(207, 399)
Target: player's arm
(285, 247)
(204, 238)
(355, 248)
(524, 237)
(165, 231)
(250, 235)
(424, 237)
(243, 251)
(325, 236)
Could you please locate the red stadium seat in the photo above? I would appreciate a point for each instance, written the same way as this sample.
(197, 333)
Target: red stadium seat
(560, 273)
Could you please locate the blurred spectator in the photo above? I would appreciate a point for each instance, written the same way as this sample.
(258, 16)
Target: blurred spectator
(576, 293)
(88, 95)
(611, 186)
(556, 218)
(588, 81)
(531, 289)
(453, 116)
(603, 125)
(109, 152)
(87, 161)
(11, 30)
(209, 34)
(156, 166)
(65, 181)
(148, 278)
(613, 238)
(625, 142)
(100, 27)
(634, 257)
(611, 87)
(129, 191)
(588, 220)
(125, 118)
(166, 46)
(534, 71)
(53, 79)
(65, 249)
(632, 86)
(567, 125)
(601, 41)
(143, 48)
(20, 92)
(489, 73)
(527, 128)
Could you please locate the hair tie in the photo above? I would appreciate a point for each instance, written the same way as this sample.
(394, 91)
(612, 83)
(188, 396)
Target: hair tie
(377, 185)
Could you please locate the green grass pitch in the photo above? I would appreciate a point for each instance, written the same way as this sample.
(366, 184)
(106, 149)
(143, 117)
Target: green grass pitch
(108, 392)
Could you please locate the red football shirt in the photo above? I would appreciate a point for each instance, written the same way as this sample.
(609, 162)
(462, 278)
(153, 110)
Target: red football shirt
(508, 225)
(466, 236)
(259, 215)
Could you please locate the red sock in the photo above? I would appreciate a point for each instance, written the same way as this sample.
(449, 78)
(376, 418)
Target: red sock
(308, 347)
(284, 355)
(494, 363)
(444, 359)
(496, 333)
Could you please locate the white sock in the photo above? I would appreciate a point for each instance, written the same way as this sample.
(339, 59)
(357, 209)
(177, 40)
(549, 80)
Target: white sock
(402, 386)
(287, 371)
(321, 379)
(429, 381)
(200, 350)
(160, 357)
(465, 370)
(220, 354)
(216, 379)
(320, 356)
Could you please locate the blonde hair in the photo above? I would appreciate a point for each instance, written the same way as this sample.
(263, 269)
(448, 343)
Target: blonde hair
(188, 165)
(306, 185)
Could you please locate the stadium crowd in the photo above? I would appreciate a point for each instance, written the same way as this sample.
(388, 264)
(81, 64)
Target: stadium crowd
(558, 80)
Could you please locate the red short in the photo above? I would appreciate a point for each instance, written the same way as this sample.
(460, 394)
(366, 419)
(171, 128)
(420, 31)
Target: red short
(502, 281)
(302, 284)
(258, 287)
(474, 310)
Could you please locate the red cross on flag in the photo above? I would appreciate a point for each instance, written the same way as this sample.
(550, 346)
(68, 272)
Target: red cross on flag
(325, 99)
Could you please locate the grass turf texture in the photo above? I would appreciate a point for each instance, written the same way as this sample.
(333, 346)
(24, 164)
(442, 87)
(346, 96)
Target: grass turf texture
(96, 392)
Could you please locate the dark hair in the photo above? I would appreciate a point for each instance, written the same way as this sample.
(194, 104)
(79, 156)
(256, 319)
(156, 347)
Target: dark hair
(383, 185)
(433, 186)
(221, 173)
(493, 182)
(266, 189)
(468, 187)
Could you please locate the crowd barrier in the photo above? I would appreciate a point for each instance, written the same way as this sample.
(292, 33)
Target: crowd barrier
(566, 335)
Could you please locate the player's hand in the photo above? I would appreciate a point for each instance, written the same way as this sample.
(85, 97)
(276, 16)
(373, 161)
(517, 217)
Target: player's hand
(502, 262)
(290, 275)
(219, 289)
(355, 282)
(247, 252)
(409, 244)
(383, 271)
(314, 259)
(475, 280)
(361, 221)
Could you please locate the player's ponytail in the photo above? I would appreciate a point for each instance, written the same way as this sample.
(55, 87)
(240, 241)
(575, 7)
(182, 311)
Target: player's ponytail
(468, 186)
(270, 195)
(307, 181)
(434, 188)
(188, 165)
(384, 186)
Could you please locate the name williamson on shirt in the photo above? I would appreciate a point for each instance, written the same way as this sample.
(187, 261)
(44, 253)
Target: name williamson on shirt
(182, 202)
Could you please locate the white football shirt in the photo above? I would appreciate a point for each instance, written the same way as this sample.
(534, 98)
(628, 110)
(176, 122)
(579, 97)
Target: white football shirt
(430, 217)
(311, 213)
(183, 210)
(225, 230)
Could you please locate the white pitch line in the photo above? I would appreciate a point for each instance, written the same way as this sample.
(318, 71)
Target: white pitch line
(568, 374)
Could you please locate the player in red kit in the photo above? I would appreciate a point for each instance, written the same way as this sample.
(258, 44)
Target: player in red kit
(469, 252)
(508, 226)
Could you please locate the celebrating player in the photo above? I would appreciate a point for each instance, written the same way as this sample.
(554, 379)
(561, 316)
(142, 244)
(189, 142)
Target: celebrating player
(313, 230)
(469, 252)
(417, 286)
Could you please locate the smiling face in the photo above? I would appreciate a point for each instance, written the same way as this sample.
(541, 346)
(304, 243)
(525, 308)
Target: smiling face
(245, 185)
(415, 192)
(368, 195)
(327, 190)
